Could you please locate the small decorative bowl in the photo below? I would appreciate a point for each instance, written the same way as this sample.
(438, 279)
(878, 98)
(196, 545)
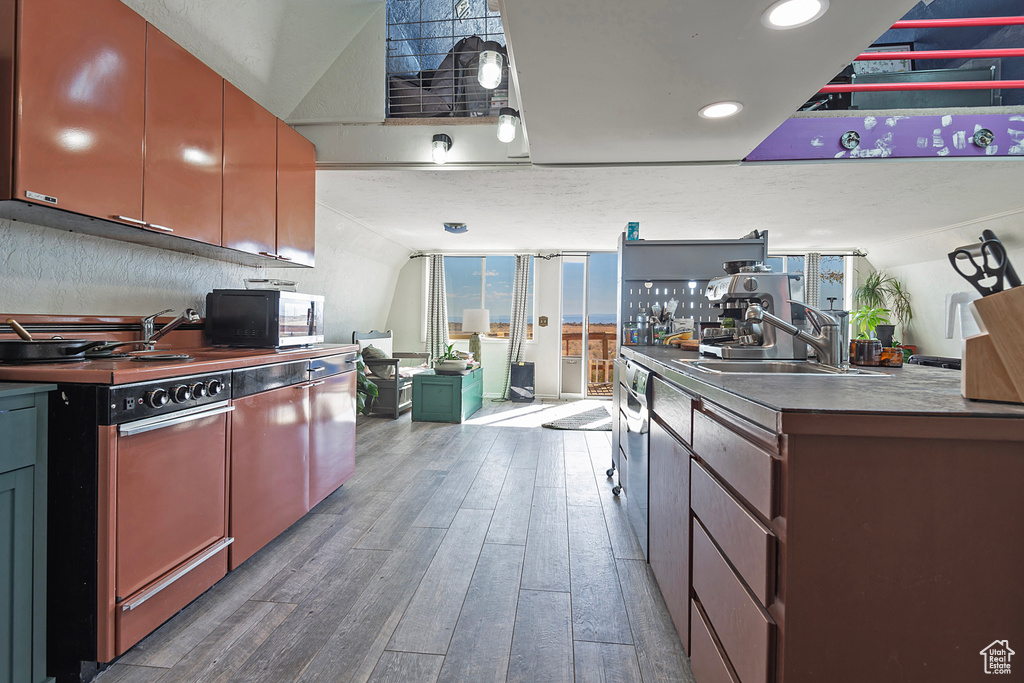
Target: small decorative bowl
(444, 366)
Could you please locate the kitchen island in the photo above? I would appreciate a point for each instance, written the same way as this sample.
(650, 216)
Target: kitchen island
(829, 528)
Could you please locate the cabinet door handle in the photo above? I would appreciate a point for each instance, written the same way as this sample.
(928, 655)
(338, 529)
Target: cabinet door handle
(162, 228)
(318, 383)
(128, 219)
(283, 258)
(317, 368)
(269, 255)
(199, 559)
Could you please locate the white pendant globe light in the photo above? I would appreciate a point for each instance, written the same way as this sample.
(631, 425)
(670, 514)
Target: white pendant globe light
(439, 148)
(787, 14)
(507, 119)
(490, 65)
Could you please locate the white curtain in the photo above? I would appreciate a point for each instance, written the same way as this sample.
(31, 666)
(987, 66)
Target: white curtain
(437, 308)
(520, 311)
(812, 279)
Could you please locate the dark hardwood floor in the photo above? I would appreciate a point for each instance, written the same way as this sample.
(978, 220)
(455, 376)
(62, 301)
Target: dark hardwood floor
(488, 551)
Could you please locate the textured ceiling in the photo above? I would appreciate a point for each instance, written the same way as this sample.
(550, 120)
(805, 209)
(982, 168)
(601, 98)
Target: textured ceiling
(273, 50)
(803, 206)
(612, 81)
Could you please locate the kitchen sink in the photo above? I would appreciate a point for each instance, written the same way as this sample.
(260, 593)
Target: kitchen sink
(763, 367)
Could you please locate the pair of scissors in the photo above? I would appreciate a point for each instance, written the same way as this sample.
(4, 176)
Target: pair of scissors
(983, 264)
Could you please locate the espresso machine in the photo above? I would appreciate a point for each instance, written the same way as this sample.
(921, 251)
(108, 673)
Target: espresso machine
(742, 339)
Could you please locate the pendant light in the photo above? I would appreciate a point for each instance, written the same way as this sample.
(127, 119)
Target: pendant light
(490, 65)
(507, 119)
(439, 148)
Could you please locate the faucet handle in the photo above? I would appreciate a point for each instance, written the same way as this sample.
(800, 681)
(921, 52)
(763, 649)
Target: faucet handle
(818, 318)
(152, 318)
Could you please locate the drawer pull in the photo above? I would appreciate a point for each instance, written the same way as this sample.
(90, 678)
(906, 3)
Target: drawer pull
(158, 587)
(161, 228)
(128, 219)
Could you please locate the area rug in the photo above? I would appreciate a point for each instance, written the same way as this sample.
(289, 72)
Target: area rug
(594, 420)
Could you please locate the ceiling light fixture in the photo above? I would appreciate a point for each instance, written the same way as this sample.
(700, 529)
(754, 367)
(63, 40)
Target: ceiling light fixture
(439, 148)
(720, 110)
(456, 228)
(507, 119)
(787, 14)
(490, 64)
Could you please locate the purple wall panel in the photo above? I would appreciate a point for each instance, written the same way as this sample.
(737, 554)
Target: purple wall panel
(893, 136)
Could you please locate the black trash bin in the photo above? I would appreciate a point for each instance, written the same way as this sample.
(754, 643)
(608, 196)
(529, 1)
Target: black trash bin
(521, 383)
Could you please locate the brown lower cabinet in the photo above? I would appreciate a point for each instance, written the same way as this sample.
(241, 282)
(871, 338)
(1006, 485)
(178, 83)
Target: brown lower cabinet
(291, 446)
(669, 523)
(269, 467)
(839, 547)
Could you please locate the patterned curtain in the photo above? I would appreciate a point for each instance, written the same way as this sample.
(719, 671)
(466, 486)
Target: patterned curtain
(437, 308)
(812, 279)
(520, 311)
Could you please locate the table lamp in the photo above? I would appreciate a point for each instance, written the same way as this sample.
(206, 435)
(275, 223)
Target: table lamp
(477, 321)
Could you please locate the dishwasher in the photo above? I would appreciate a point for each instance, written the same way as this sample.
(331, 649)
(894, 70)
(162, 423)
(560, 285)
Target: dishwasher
(634, 429)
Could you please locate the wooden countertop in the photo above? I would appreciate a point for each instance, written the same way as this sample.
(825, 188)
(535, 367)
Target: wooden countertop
(127, 371)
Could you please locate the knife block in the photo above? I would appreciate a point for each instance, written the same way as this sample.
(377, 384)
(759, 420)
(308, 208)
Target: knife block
(994, 360)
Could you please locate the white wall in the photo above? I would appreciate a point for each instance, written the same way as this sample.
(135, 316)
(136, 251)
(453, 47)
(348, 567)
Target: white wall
(544, 350)
(352, 89)
(43, 270)
(922, 265)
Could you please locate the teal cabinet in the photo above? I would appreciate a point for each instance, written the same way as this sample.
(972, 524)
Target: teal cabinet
(23, 532)
(446, 398)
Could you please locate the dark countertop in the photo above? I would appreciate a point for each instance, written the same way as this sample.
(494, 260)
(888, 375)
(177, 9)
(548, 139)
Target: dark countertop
(912, 390)
(15, 388)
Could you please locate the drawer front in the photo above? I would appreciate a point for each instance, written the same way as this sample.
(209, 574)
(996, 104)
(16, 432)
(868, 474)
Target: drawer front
(331, 365)
(18, 448)
(134, 625)
(748, 543)
(708, 663)
(744, 629)
(675, 408)
(745, 467)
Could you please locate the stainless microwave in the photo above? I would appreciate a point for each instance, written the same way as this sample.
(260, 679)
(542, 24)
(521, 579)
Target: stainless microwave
(263, 318)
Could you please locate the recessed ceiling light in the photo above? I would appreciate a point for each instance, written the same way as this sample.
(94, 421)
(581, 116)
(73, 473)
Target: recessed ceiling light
(720, 110)
(793, 13)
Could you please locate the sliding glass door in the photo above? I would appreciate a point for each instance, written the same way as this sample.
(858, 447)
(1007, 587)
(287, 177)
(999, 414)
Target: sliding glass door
(588, 324)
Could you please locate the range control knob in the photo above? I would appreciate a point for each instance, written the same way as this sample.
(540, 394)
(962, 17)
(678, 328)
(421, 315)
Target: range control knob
(214, 387)
(198, 390)
(180, 393)
(157, 398)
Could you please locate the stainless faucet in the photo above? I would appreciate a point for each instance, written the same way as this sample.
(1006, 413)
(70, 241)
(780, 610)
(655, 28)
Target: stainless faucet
(828, 341)
(149, 337)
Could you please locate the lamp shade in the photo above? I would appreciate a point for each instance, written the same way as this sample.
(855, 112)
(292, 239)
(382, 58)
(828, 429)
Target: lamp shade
(476, 320)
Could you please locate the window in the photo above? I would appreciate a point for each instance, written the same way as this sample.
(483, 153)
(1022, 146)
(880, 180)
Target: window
(833, 274)
(483, 282)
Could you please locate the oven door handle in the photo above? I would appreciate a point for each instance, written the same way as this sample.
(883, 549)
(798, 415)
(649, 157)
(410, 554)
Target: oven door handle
(142, 426)
(145, 595)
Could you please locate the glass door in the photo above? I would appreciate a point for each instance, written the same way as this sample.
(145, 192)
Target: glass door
(601, 303)
(588, 324)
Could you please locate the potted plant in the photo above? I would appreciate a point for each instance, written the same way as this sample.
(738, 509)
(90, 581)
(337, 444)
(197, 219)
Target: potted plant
(873, 294)
(366, 391)
(864, 350)
(451, 361)
(899, 301)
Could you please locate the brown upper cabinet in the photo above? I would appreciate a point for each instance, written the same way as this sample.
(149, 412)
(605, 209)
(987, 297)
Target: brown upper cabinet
(105, 117)
(184, 134)
(296, 196)
(80, 93)
(250, 174)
